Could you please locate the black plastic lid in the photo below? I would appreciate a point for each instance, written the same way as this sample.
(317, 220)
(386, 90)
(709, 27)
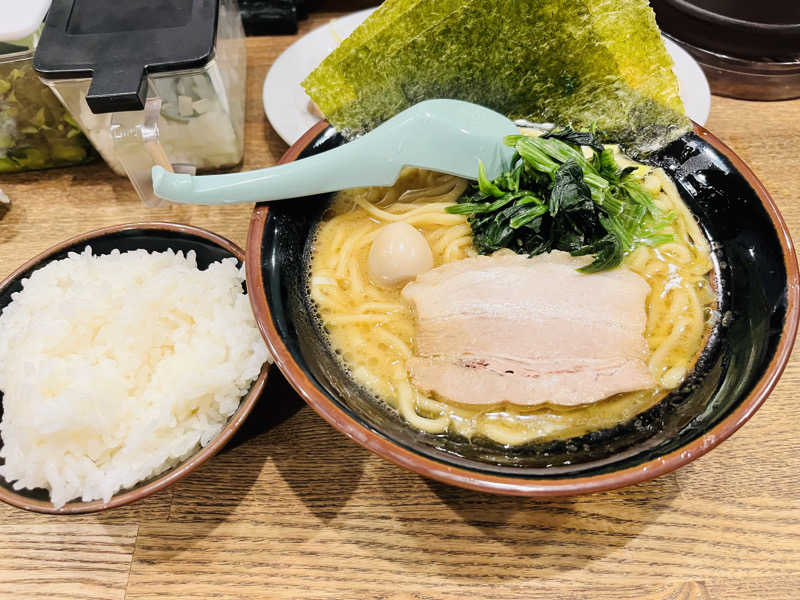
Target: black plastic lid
(116, 43)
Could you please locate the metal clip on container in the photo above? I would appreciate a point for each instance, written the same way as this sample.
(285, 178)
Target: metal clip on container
(150, 82)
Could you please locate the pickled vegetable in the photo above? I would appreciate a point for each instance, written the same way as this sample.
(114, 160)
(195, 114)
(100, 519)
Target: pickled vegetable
(36, 132)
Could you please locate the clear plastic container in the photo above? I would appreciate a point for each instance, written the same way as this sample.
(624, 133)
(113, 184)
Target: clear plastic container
(192, 119)
(36, 131)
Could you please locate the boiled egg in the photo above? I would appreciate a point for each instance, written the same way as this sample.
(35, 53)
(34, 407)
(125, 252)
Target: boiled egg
(398, 254)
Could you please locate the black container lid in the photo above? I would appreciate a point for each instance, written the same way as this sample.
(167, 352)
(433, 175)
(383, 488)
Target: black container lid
(116, 43)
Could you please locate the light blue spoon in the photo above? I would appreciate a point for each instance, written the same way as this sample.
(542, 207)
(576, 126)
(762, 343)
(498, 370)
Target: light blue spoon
(449, 136)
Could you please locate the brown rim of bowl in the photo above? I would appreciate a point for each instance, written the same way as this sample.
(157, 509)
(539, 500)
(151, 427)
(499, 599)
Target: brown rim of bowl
(508, 484)
(158, 484)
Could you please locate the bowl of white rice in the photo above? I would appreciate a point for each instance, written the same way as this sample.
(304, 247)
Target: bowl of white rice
(129, 356)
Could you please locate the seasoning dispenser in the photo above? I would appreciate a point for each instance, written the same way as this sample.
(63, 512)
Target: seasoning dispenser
(36, 131)
(150, 82)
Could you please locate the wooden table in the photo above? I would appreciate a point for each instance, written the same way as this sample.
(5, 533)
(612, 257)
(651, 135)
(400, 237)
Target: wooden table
(292, 509)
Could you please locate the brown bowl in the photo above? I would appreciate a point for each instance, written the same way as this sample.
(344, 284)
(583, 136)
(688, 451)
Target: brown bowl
(756, 277)
(154, 236)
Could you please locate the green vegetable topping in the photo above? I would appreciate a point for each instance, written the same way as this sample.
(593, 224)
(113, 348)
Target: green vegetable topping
(554, 198)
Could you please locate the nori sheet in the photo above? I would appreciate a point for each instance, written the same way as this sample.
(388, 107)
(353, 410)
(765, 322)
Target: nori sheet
(358, 57)
(639, 51)
(542, 60)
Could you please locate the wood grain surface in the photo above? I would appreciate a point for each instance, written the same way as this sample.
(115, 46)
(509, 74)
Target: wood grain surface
(292, 509)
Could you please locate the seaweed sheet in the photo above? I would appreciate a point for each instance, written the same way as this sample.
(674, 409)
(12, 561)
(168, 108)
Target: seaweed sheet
(597, 63)
(417, 20)
(386, 31)
(638, 50)
(331, 90)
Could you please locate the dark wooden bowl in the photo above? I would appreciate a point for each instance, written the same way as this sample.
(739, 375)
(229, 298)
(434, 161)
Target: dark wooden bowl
(209, 247)
(756, 277)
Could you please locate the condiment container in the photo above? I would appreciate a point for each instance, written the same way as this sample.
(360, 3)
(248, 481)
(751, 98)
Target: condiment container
(150, 82)
(747, 49)
(36, 131)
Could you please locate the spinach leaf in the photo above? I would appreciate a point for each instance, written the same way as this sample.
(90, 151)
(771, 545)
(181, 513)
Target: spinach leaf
(577, 138)
(486, 186)
(569, 188)
(554, 198)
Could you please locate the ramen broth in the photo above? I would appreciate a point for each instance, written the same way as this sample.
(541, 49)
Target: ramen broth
(371, 328)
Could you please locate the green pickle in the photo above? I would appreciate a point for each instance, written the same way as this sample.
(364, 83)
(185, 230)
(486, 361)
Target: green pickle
(36, 132)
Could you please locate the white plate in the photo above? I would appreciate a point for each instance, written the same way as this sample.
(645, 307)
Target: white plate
(692, 83)
(286, 103)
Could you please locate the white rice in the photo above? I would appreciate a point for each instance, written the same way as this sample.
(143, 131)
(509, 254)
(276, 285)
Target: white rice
(115, 368)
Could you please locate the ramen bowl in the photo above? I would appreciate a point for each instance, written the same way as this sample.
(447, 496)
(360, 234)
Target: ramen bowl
(153, 237)
(755, 277)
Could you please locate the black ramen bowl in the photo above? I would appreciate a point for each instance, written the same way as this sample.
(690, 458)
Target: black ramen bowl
(755, 276)
(153, 237)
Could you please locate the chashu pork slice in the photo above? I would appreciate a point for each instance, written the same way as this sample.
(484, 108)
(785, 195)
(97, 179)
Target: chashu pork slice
(528, 331)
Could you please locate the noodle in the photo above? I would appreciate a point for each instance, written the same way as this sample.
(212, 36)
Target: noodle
(373, 327)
